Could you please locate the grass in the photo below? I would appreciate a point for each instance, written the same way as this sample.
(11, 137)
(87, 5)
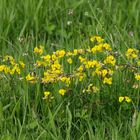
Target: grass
(68, 25)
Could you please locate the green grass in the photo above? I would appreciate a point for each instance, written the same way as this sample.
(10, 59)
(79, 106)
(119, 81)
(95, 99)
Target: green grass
(25, 24)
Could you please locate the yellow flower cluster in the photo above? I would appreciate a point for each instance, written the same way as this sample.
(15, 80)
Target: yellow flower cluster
(10, 66)
(110, 60)
(91, 64)
(48, 93)
(132, 53)
(60, 53)
(101, 48)
(91, 89)
(125, 98)
(31, 78)
(54, 71)
(68, 69)
(96, 38)
(66, 80)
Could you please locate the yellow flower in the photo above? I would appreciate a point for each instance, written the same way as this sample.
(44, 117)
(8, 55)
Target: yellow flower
(54, 57)
(127, 99)
(92, 88)
(131, 53)
(138, 63)
(81, 51)
(6, 69)
(107, 80)
(60, 53)
(97, 38)
(15, 69)
(104, 72)
(47, 58)
(80, 69)
(82, 59)
(110, 60)
(97, 48)
(9, 58)
(92, 39)
(62, 92)
(39, 50)
(69, 60)
(75, 52)
(94, 49)
(40, 63)
(48, 77)
(2, 67)
(110, 71)
(81, 76)
(91, 64)
(137, 77)
(63, 79)
(53, 74)
(97, 71)
(107, 47)
(22, 64)
(31, 78)
(46, 94)
(121, 99)
(56, 66)
(69, 54)
(66, 80)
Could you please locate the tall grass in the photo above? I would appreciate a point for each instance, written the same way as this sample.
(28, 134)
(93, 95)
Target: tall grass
(65, 24)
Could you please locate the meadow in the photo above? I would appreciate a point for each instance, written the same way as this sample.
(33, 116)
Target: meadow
(69, 70)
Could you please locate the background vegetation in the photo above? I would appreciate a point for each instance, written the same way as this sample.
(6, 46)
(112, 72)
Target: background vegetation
(66, 24)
